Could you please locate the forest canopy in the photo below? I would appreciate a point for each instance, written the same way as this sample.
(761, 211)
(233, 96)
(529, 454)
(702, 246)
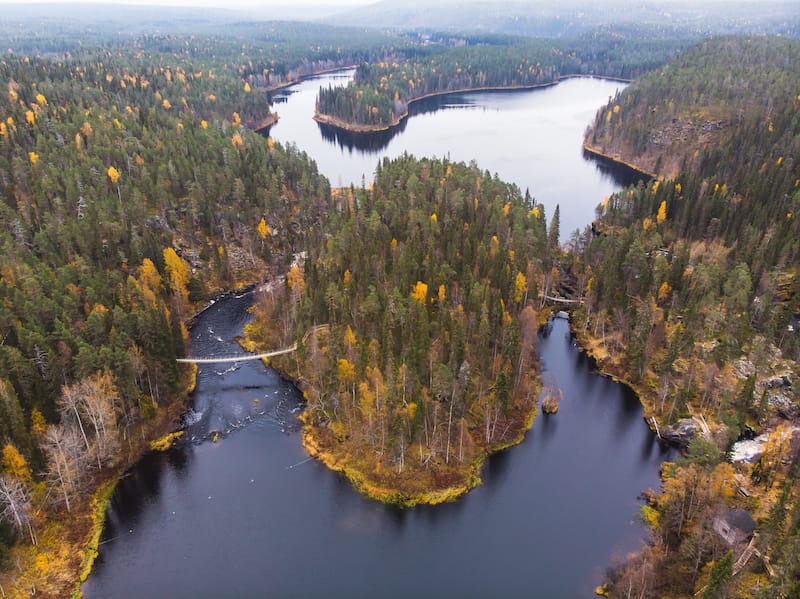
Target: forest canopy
(414, 313)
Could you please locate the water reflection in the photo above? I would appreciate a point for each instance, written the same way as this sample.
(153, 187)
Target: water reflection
(622, 174)
(374, 142)
(548, 425)
(497, 469)
(550, 513)
(366, 143)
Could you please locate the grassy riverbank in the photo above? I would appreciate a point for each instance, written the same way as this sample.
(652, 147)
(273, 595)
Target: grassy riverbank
(376, 479)
(67, 543)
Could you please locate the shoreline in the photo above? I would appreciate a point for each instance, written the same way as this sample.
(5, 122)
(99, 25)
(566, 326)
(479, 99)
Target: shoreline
(618, 160)
(273, 117)
(585, 341)
(361, 128)
(101, 496)
(342, 125)
(265, 123)
(167, 426)
(68, 542)
(316, 442)
(270, 89)
(397, 496)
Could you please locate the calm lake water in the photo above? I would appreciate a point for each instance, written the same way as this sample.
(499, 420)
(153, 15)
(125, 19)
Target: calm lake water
(251, 516)
(532, 138)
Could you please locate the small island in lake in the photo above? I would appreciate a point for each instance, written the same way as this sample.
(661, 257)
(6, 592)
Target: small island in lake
(552, 397)
(416, 329)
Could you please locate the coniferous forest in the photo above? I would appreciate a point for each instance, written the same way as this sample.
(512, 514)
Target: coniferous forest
(423, 362)
(692, 296)
(132, 193)
(134, 190)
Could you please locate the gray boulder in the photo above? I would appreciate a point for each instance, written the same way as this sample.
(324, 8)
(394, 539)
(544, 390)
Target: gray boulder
(681, 433)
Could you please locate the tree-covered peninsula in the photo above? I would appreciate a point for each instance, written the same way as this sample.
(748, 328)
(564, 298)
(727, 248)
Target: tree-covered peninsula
(415, 321)
(692, 297)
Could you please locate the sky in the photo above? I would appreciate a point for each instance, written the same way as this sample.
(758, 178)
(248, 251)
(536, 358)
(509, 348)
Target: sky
(231, 4)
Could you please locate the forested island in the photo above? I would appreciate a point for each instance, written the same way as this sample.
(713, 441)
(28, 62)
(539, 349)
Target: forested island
(134, 191)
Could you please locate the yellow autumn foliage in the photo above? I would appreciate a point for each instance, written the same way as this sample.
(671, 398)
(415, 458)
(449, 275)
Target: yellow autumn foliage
(664, 291)
(165, 442)
(38, 423)
(520, 287)
(662, 212)
(295, 279)
(263, 229)
(345, 371)
(420, 292)
(177, 268)
(350, 337)
(14, 464)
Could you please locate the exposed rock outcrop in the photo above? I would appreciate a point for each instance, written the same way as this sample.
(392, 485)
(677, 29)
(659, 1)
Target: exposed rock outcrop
(681, 433)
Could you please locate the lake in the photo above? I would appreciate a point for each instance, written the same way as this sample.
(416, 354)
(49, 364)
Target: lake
(532, 138)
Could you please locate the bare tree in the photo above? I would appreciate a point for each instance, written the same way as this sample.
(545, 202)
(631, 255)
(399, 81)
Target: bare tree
(68, 404)
(15, 501)
(94, 399)
(99, 400)
(66, 460)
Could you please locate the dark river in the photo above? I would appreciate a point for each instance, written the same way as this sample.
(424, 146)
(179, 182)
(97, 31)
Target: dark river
(251, 516)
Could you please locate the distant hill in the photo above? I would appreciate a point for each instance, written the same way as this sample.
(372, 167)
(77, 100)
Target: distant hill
(132, 19)
(571, 18)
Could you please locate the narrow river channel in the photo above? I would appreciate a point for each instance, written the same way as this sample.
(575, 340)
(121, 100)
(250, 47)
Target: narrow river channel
(250, 516)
